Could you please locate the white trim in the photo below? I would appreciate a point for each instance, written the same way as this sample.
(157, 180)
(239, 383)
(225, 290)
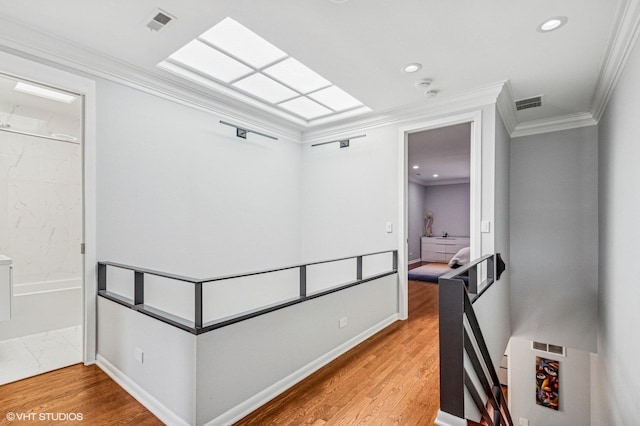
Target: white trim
(626, 30)
(475, 118)
(554, 124)
(507, 108)
(142, 396)
(437, 107)
(446, 419)
(32, 41)
(411, 262)
(256, 401)
(37, 72)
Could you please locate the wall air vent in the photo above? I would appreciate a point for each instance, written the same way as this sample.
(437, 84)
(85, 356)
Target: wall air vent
(547, 347)
(159, 19)
(534, 102)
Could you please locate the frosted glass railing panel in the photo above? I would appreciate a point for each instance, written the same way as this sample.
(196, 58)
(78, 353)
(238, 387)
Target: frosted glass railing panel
(377, 264)
(238, 295)
(326, 275)
(169, 295)
(120, 282)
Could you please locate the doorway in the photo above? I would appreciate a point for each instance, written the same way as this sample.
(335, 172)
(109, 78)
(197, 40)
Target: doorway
(41, 226)
(468, 128)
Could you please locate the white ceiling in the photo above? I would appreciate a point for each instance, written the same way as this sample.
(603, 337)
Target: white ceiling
(444, 151)
(362, 45)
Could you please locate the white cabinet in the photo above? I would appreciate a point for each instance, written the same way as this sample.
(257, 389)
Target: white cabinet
(6, 288)
(440, 249)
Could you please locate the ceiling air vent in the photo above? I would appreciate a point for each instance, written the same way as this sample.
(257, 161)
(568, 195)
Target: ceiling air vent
(159, 19)
(534, 102)
(547, 347)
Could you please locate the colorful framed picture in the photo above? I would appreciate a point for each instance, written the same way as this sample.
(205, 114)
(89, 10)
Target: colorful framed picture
(547, 384)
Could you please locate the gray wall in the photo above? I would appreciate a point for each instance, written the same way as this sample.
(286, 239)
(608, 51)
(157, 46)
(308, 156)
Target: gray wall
(554, 237)
(450, 205)
(415, 213)
(573, 379)
(618, 343)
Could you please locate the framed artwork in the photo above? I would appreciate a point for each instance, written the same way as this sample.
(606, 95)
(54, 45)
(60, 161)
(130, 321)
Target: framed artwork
(547, 384)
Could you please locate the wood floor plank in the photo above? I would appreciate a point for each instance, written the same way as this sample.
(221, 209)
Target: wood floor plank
(76, 389)
(392, 378)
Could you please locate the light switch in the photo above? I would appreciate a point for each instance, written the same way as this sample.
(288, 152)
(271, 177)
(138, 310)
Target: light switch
(485, 226)
(389, 227)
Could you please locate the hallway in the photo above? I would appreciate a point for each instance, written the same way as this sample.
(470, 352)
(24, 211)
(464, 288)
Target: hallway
(392, 378)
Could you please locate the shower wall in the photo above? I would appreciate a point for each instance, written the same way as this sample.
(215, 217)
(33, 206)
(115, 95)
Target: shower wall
(41, 224)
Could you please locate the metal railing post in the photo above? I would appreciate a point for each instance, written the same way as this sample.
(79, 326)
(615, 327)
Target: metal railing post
(303, 281)
(138, 289)
(198, 307)
(451, 328)
(102, 277)
(359, 268)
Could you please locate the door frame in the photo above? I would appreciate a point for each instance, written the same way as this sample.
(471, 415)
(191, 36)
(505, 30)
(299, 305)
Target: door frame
(475, 184)
(33, 70)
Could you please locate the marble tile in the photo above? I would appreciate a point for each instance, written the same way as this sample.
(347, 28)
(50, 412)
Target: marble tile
(38, 353)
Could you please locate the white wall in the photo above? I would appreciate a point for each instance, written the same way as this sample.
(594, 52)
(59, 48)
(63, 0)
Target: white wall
(179, 192)
(167, 376)
(349, 195)
(619, 208)
(493, 308)
(415, 218)
(244, 365)
(574, 386)
(554, 237)
(450, 205)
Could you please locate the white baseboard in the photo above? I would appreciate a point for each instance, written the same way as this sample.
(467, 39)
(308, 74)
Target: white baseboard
(156, 407)
(256, 401)
(411, 262)
(446, 419)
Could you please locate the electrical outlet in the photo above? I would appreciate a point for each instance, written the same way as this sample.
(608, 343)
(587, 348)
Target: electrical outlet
(524, 422)
(138, 355)
(343, 322)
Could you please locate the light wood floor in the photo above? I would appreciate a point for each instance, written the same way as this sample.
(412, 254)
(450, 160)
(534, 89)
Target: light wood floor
(392, 378)
(75, 389)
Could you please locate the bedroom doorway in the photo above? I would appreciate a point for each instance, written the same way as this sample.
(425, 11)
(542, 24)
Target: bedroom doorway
(441, 165)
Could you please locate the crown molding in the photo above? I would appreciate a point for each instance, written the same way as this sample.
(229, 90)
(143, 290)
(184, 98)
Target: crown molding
(472, 99)
(21, 39)
(624, 36)
(506, 108)
(554, 124)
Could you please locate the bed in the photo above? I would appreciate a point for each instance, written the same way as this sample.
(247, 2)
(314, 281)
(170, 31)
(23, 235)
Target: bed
(432, 271)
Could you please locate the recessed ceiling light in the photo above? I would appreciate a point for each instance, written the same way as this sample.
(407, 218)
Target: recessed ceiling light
(410, 68)
(435, 175)
(552, 24)
(423, 84)
(44, 92)
(416, 167)
(431, 93)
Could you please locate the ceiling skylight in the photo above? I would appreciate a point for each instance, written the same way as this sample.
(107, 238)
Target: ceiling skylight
(200, 57)
(239, 62)
(239, 41)
(306, 108)
(265, 88)
(296, 75)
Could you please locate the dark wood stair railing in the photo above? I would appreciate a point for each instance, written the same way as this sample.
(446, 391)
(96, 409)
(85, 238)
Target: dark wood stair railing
(455, 304)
